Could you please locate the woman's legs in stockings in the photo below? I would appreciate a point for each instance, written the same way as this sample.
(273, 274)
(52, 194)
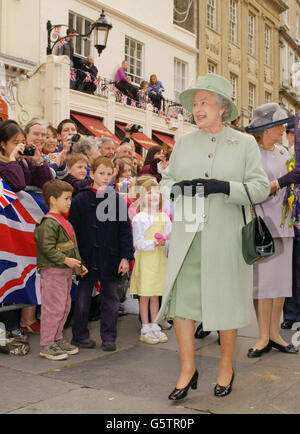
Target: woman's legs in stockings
(185, 329)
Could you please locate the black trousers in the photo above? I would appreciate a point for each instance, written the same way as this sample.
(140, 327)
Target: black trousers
(291, 309)
(10, 318)
(109, 307)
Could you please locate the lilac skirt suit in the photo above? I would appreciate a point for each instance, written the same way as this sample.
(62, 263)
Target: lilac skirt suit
(273, 276)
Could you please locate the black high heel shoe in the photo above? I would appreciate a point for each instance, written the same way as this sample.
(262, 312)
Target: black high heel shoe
(181, 393)
(221, 391)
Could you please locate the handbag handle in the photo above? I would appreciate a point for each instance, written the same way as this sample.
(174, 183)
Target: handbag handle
(253, 207)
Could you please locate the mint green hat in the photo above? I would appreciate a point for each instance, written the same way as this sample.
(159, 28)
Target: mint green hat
(212, 83)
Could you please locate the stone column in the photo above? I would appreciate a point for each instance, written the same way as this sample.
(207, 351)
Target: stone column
(57, 89)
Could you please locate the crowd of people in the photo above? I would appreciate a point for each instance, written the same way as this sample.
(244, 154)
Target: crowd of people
(68, 169)
(84, 77)
(151, 91)
(111, 216)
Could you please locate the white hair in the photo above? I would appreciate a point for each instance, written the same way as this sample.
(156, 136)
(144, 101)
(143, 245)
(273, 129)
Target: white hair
(223, 104)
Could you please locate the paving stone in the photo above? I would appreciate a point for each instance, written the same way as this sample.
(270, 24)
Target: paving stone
(22, 389)
(92, 401)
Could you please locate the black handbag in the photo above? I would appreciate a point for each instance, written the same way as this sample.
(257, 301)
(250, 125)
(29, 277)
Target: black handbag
(257, 241)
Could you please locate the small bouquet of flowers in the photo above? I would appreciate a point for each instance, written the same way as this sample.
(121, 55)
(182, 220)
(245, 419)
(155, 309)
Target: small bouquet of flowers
(289, 202)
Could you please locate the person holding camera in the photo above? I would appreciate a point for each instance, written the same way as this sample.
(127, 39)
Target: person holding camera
(22, 166)
(66, 130)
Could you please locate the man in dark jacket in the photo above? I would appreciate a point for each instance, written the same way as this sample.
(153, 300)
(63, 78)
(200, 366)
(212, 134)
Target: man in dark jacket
(102, 226)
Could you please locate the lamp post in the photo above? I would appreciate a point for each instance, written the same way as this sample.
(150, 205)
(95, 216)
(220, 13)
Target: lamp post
(101, 28)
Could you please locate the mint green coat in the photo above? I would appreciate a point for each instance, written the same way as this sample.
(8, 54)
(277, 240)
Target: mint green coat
(226, 280)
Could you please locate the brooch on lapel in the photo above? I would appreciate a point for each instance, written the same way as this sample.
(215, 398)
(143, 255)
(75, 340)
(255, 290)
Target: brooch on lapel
(232, 141)
(281, 151)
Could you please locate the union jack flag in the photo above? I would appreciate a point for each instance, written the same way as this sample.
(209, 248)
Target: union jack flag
(62, 42)
(19, 282)
(73, 74)
(133, 103)
(88, 78)
(56, 32)
(97, 81)
(7, 196)
(124, 99)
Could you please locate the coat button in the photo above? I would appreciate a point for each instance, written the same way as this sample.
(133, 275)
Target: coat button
(210, 155)
(204, 216)
(206, 175)
(213, 139)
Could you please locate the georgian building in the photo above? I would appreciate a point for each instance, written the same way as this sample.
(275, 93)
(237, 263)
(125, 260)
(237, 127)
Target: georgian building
(289, 91)
(34, 84)
(239, 39)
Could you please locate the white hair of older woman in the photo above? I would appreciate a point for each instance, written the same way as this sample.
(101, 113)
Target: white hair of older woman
(86, 145)
(223, 104)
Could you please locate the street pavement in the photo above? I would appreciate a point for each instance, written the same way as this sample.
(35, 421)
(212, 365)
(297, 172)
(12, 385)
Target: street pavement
(137, 379)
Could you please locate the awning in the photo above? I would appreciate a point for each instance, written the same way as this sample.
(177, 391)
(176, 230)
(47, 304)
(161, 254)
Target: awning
(96, 127)
(140, 138)
(164, 138)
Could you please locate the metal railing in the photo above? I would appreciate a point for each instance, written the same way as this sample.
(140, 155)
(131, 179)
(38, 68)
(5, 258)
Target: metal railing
(102, 87)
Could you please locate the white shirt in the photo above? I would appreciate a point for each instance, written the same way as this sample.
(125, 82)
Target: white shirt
(140, 224)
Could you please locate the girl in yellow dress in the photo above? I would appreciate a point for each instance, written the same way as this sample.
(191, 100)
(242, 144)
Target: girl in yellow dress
(147, 279)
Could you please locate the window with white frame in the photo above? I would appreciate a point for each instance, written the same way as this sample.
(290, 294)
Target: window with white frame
(251, 98)
(233, 81)
(251, 34)
(134, 58)
(211, 68)
(211, 14)
(180, 77)
(82, 46)
(233, 21)
(268, 97)
(267, 45)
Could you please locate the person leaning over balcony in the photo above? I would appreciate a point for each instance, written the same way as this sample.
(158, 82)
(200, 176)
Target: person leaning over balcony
(89, 67)
(123, 84)
(19, 172)
(155, 90)
(66, 48)
(222, 160)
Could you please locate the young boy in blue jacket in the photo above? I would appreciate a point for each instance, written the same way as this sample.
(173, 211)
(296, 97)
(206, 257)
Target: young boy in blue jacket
(106, 246)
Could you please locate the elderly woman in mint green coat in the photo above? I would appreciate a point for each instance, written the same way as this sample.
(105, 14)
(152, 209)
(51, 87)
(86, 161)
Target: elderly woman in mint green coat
(207, 279)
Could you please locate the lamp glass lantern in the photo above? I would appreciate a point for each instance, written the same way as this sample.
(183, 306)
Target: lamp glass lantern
(101, 30)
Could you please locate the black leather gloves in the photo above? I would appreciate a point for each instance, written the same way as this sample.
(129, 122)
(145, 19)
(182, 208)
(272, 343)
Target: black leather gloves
(183, 188)
(189, 188)
(290, 178)
(213, 186)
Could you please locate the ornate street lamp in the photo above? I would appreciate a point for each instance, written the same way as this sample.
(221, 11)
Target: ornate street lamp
(101, 28)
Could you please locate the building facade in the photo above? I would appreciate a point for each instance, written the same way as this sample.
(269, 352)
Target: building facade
(253, 43)
(289, 91)
(239, 39)
(145, 36)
